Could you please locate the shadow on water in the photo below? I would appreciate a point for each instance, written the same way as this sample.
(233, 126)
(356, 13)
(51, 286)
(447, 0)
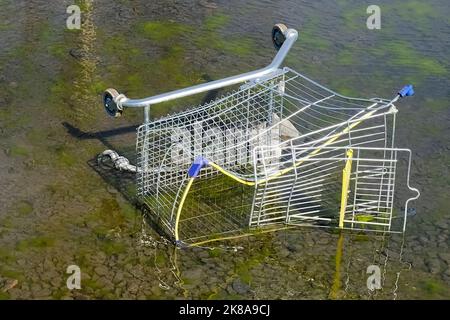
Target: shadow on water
(100, 135)
(122, 181)
(212, 94)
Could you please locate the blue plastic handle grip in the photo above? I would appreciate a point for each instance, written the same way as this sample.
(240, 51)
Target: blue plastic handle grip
(196, 166)
(406, 91)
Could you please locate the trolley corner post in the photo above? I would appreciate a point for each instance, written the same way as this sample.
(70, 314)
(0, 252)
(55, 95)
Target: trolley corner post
(345, 184)
(147, 114)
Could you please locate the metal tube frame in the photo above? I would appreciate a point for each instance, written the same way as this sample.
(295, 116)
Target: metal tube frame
(291, 36)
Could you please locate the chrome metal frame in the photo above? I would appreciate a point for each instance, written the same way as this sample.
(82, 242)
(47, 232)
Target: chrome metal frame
(291, 36)
(258, 135)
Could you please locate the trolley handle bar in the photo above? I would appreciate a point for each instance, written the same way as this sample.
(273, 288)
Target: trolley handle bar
(115, 102)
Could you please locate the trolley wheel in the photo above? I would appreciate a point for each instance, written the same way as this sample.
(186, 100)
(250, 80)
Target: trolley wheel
(105, 162)
(278, 35)
(109, 103)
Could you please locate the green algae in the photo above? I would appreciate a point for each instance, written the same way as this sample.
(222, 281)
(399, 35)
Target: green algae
(121, 48)
(135, 82)
(12, 274)
(7, 223)
(45, 33)
(364, 218)
(129, 211)
(60, 293)
(161, 259)
(354, 17)
(214, 252)
(414, 64)
(345, 57)
(150, 76)
(110, 219)
(361, 237)
(91, 284)
(344, 89)
(216, 21)
(131, 191)
(84, 5)
(311, 38)
(96, 87)
(18, 121)
(65, 157)
(243, 269)
(19, 151)
(398, 54)
(419, 13)
(5, 27)
(59, 50)
(433, 288)
(37, 137)
(240, 47)
(4, 295)
(402, 54)
(210, 37)
(6, 256)
(392, 14)
(168, 67)
(437, 105)
(163, 31)
(39, 242)
(107, 213)
(111, 247)
(24, 207)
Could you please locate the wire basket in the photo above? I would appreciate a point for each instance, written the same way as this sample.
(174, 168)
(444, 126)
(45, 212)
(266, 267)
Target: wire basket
(280, 151)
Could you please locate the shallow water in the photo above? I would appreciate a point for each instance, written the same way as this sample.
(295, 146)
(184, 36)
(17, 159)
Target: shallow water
(59, 209)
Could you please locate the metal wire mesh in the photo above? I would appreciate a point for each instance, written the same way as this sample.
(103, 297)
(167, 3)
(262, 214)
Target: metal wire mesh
(260, 133)
(312, 192)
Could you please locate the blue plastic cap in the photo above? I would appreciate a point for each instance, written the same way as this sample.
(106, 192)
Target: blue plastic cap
(198, 164)
(179, 243)
(406, 91)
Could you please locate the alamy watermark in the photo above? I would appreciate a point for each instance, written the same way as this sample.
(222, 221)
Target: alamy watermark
(74, 280)
(374, 280)
(374, 20)
(74, 20)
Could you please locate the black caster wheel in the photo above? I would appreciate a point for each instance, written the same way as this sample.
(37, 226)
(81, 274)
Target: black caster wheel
(105, 162)
(278, 35)
(110, 104)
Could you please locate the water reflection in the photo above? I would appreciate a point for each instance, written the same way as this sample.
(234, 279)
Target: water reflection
(382, 251)
(83, 93)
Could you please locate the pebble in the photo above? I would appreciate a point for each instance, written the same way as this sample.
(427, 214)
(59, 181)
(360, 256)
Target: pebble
(207, 4)
(43, 293)
(10, 283)
(240, 287)
(102, 271)
(118, 277)
(194, 275)
(156, 290)
(283, 253)
(133, 288)
(112, 190)
(445, 257)
(433, 265)
(75, 53)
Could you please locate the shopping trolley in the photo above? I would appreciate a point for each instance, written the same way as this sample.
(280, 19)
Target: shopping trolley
(278, 152)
